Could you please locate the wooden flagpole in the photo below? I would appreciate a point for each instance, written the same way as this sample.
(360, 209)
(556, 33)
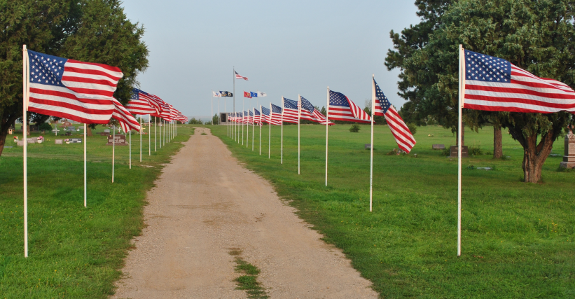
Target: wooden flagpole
(326, 134)
(25, 94)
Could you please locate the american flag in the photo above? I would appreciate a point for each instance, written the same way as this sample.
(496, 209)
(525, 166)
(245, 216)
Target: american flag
(400, 131)
(123, 116)
(290, 111)
(257, 118)
(238, 76)
(341, 108)
(494, 84)
(166, 113)
(247, 94)
(265, 115)
(158, 105)
(245, 119)
(309, 112)
(140, 103)
(251, 117)
(276, 116)
(173, 112)
(79, 91)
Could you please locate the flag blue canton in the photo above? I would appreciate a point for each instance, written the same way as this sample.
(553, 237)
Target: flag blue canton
(290, 104)
(251, 113)
(256, 111)
(46, 69)
(383, 101)
(337, 99)
(276, 109)
(135, 95)
(305, 104)
(245, 113)
(483, 67)
(265, 111)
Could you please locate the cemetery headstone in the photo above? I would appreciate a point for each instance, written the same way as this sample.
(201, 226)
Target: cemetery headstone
(453, 151)
(75, 140)
(438, 146)
(367, 146)
(569, 158)
(59, 141)
(20, 142)
(31, 140)
(56, 131)
(120, 140)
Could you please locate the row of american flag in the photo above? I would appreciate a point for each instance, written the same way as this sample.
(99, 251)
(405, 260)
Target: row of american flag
(340, 108)
(83, 92)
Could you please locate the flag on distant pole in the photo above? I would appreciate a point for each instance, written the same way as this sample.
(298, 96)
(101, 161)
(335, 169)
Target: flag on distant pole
(247, 94)
(276, 115)
(238, 76)
(140, 103)
(398, 128)
(290, 111)
(261, 94)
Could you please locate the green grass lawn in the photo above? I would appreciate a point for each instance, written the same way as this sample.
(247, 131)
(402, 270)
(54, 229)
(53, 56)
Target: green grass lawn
(517, 237)
(74, 252)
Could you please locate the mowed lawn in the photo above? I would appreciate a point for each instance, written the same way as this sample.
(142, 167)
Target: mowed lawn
(74, 252)
(518, 238)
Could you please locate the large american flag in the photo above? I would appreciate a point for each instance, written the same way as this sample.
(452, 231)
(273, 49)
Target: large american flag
(123, 116)
(238, 76)
(276, 116)
(341, 108)
(79, 91)
(265, 115)
(494, 84)
(140, 103)
(290, 111)
(400, 131)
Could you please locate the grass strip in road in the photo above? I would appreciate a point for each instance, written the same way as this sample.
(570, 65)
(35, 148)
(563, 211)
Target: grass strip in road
(74, 252)
(518, 238)
(249, 280)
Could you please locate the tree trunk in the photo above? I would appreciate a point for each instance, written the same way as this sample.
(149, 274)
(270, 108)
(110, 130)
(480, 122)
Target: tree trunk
(88, 131)
(497, 142)
(3, 134)
(535, 155)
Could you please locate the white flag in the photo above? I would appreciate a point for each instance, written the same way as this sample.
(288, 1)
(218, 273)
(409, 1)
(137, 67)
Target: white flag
(261, 94)
(217, 94)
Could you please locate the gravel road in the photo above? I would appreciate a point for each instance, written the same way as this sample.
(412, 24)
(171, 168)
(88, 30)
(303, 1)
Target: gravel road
(205, 205)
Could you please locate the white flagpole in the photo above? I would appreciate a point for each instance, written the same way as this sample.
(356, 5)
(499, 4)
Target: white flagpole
(212, 115)
(25, 94)
(234, 103)
(155, 131)
(113, 150)
(130, 144)
(243, 118)
(261, 123)
(282, 134)
(326, 134)
(85, 168)
(270, 134)
(149, 135)
(141, 126)
(253, 129)
(247, 118)
(298, 133)
(161, 126)
(219, 114)
(459, 146)
(371, 145)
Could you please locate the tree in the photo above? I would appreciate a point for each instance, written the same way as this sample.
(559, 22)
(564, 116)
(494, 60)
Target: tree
(536, 35)
(86, 30)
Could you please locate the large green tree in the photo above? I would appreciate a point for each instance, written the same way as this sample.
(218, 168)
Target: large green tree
(86, 30)
(536, 35)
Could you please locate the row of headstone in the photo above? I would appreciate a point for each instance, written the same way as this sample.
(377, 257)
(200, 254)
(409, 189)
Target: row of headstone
(119, 140)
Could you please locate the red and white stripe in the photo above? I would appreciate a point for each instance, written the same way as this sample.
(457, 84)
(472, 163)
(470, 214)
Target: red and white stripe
(398, 128)
(123, 116)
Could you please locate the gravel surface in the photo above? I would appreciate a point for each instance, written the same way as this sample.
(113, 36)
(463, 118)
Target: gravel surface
(204, 205)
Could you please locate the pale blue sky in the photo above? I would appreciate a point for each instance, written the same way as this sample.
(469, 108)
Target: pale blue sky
(284, 48)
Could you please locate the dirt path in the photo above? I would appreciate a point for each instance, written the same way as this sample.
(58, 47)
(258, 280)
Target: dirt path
(205, 205)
